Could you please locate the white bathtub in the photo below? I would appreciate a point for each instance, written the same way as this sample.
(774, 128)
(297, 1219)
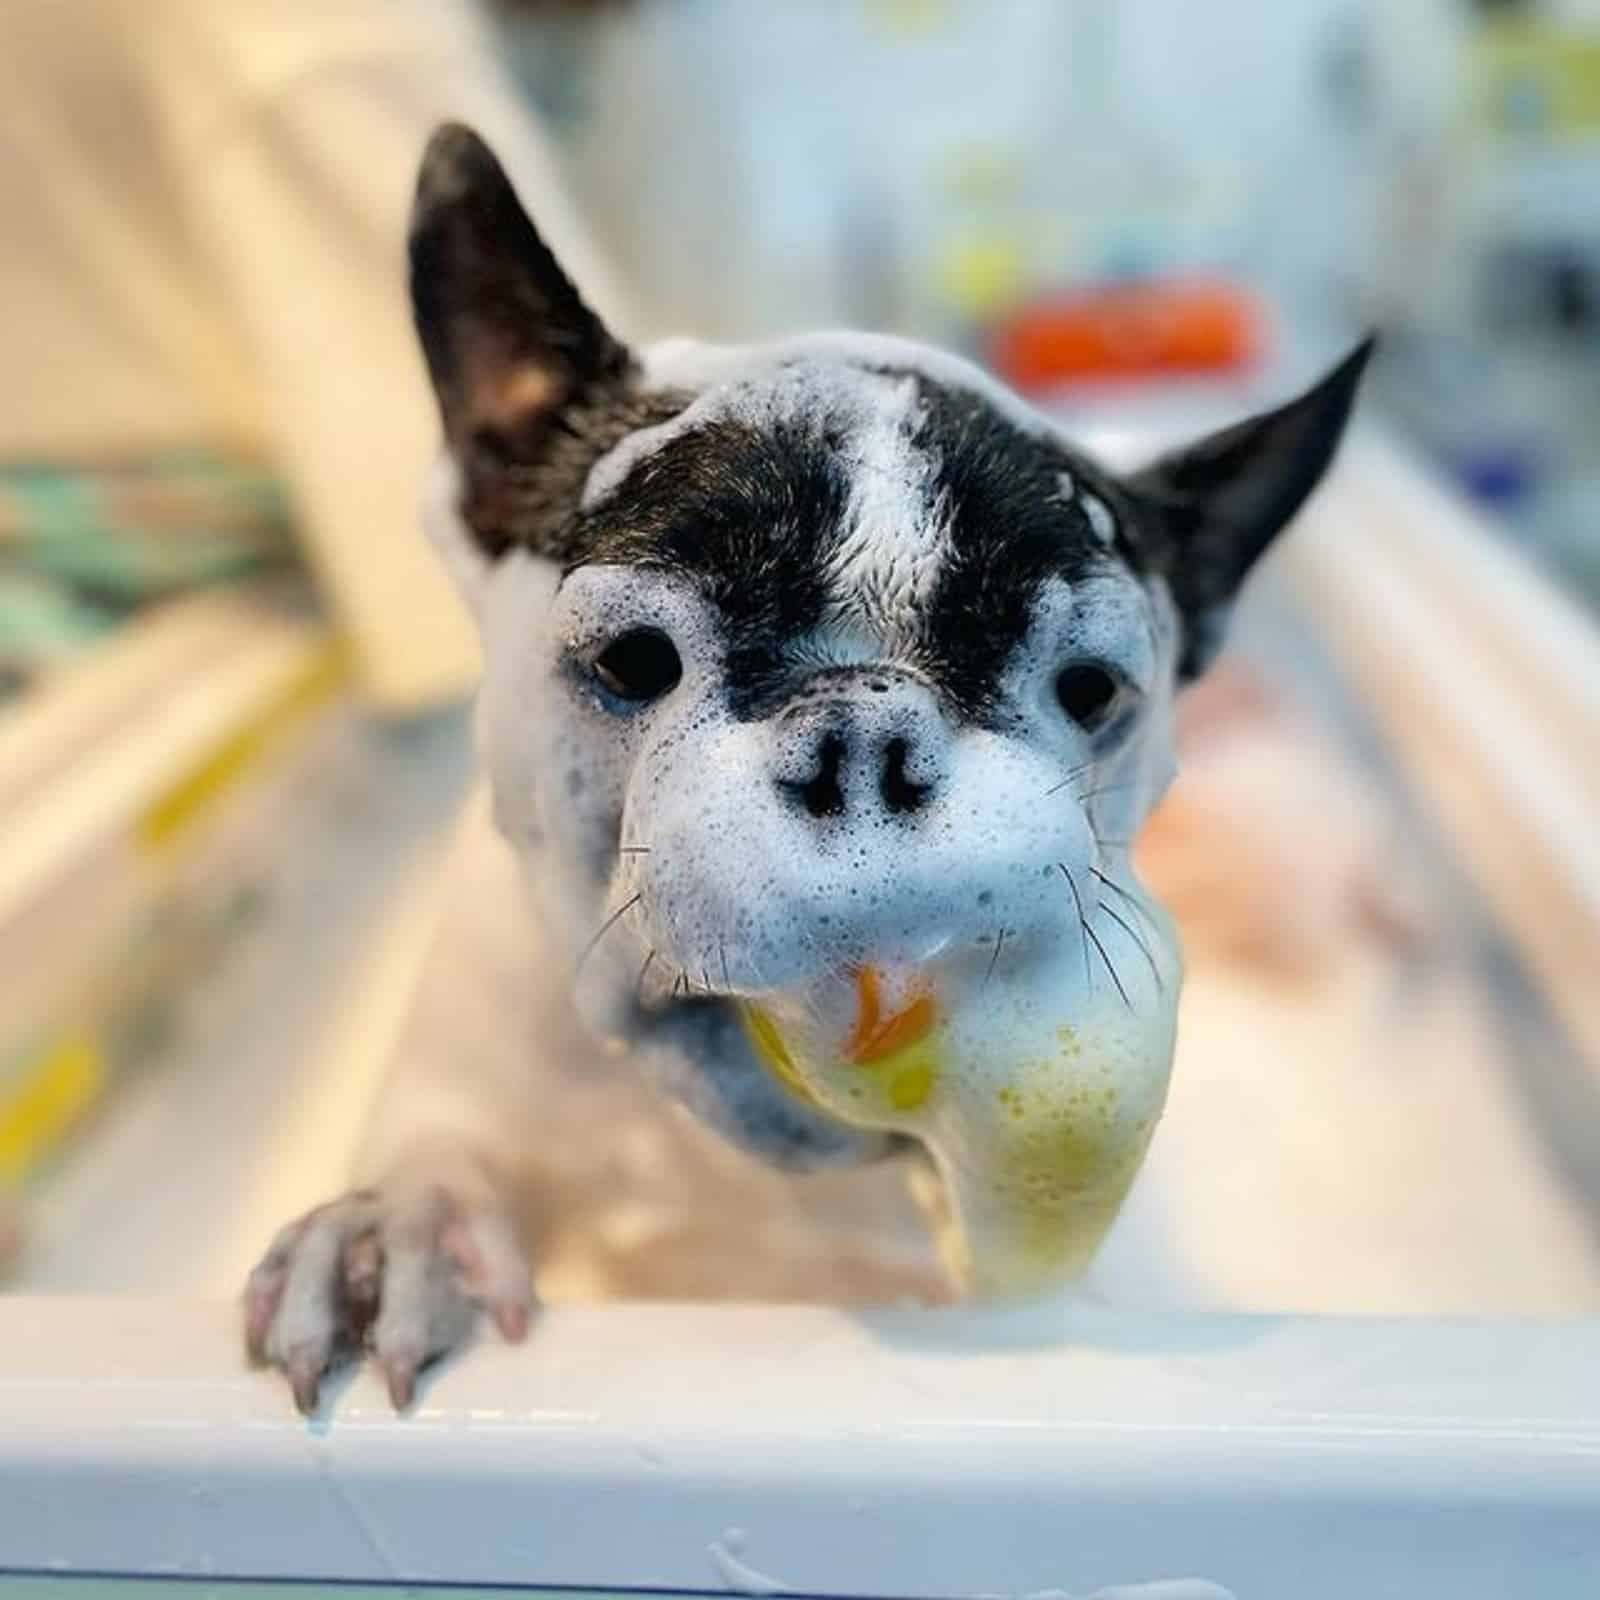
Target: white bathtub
(811, 1452)
(1228, 1412)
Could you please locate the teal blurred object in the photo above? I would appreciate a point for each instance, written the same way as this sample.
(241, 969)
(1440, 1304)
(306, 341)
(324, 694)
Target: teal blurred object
(43, 624)
(128, 532)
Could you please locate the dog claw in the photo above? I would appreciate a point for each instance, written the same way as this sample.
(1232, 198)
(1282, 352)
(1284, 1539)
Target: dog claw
(512, 1320)
(305, 1382)
(400, 1376)
(257, 1319)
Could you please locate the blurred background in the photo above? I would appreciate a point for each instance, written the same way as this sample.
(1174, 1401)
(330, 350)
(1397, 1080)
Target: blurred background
(232, 683)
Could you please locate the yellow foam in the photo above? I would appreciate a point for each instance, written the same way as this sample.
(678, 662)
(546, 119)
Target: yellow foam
(775, 1053)
(912, 1087)
(1036, 1093)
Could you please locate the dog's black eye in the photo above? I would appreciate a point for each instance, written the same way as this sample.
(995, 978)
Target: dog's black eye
(642, 664)
(1088, 693)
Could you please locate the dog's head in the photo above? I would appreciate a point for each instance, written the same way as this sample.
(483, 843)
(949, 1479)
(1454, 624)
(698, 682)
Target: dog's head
(813, 653)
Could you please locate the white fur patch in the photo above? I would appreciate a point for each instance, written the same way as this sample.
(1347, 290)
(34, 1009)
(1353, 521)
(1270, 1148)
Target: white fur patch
(841, 641)
(885, 567)
(1101, 522)
(442, 522)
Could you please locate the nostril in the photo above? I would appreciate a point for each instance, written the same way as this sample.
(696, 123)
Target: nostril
(823, 794)
(900, 792)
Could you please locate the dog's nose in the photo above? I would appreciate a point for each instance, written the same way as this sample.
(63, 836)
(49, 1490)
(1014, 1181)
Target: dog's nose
(860, 745)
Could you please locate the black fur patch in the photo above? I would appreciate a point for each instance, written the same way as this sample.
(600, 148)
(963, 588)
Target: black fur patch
(534, 391)
(750, 515)
(753, 515)
(1011, 527)
(533, 503)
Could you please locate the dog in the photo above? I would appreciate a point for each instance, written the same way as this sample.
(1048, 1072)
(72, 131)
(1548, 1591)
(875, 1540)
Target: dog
(785, 648)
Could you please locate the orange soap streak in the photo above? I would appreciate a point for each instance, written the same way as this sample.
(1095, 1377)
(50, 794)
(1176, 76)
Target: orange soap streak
(875, 1036)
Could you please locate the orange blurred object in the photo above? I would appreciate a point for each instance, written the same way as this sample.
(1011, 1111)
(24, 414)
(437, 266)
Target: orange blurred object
(1134, 330)
(1273, 850)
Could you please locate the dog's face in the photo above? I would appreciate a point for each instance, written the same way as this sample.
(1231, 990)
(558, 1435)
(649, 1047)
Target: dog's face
(812, 654)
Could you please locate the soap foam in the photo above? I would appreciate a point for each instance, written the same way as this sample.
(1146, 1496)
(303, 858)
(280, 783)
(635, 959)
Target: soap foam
(1036, 1093)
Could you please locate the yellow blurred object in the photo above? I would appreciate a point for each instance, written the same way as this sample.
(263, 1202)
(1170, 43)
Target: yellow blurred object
(908, 19)
(983, 273)
(44, 1097)
(152, 795)
(1537, 77)
(193, 795)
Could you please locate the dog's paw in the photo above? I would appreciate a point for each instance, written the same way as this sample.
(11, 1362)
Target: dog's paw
(403, 1276)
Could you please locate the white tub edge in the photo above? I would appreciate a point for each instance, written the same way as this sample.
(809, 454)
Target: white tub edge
(712, 1449)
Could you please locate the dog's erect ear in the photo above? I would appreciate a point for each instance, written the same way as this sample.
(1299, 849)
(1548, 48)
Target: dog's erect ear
(1211, 509)
(510, 344)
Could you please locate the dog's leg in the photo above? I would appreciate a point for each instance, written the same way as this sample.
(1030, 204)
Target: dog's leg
(404, 1262)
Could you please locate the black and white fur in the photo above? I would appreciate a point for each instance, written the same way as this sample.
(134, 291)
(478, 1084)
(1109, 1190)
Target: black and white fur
(793, 653)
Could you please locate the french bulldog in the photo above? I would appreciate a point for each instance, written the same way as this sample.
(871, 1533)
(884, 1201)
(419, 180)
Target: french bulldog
(797, 655)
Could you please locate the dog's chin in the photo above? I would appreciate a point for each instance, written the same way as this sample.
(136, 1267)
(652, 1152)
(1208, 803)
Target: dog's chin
(770, 912)
(823, 984)
(809, 950)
